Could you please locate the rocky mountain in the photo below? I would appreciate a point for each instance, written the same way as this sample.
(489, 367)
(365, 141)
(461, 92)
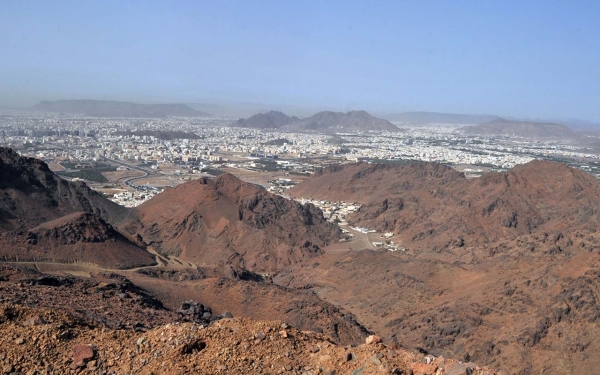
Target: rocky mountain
(62, 227)
(64, 343)
(269, 120)
(499, 270)
(525, 129)
(439, 118)
(79, 237)
(433, 205)
(227, 221)
(109, 108)
(45, 218)
(31, 194)
(326, 121)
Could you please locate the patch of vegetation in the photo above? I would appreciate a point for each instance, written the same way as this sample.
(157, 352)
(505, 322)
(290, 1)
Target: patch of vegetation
(267, 165)
(298, 173)
(394, 161)
(213, 171)
(95, 166)
(86, 174)
(277, 142)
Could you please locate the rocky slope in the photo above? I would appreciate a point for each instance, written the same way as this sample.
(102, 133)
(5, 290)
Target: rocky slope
(45, 218)
(79, 237)
(501, 270)
(30, 194)
(326, 121)
(431, 206)
(520, 313)
(227, 221)
(265, 228)
(108, 324)
(229, 346)
(269, 120)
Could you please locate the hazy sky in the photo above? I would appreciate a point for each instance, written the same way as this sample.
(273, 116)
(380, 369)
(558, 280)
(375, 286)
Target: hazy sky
(516, 58)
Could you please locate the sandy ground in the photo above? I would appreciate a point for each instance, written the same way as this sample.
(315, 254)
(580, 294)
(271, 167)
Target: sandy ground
(117, 176)
(261, 178)
(55, 167)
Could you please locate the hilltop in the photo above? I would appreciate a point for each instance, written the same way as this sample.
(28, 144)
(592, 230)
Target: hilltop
(63, 227)
(326, 121)
(525, 129)
(433, 205)
(32, 194)
(269, 120)
(502, 265)
(227, 221)
(109, 108)
(64, 344)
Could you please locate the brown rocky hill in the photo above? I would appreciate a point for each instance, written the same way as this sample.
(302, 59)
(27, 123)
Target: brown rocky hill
(325, 121)
(227, 221)
(79, 237)
(520, 313)
(429, 205)
(106, 324)
(501, 270)
(45, 218)
(31, 194)
(63, 344)
(83, 243)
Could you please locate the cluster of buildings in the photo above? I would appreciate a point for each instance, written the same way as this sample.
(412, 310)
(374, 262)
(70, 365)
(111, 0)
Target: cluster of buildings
(131, 198)
(210, 143)
(335, 212)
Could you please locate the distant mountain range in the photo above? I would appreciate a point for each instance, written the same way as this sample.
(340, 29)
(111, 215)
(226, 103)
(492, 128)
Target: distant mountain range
(326, 121)
(527, 129)
(439, 118)
(109, 108)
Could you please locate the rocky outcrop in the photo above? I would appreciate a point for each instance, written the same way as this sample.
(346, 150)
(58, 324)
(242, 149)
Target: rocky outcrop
(30, 194)
(232, 346)
(76, 238)
(432, 206)
(227, 221)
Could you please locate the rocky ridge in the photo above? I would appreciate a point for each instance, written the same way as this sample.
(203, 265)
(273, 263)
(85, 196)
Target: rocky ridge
(325, 121)
(229, 346)
(227, 221)
(430, 205)
(500, 270)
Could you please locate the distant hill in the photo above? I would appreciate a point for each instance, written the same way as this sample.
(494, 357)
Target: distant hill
(269, 120)
(526, 129)
(326, 121)
(439, 118)
(339, 121)
(108, 108)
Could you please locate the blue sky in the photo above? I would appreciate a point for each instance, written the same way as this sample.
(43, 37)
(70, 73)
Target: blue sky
(537, 59)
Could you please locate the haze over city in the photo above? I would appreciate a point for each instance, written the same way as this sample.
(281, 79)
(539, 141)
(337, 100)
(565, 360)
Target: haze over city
(534, 59)
(299, 187)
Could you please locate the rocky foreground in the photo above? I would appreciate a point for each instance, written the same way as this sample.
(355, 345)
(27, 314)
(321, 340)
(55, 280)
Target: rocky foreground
(40, 341)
